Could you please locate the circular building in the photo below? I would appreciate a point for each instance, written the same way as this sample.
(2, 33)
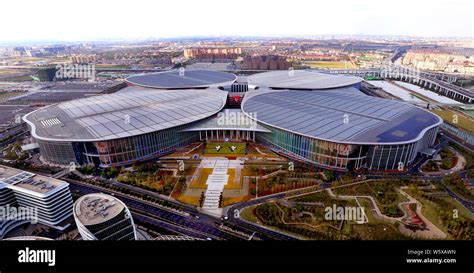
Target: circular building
(302, 80)
(121, 128)
(315, 118)
(182, 79)
(103, 217)
(341, 128)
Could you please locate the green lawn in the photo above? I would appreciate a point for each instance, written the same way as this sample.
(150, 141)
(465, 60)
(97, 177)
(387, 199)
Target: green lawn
(469, 112)
(316, 227)
(328, 64)
(225, 148)
(448, 117)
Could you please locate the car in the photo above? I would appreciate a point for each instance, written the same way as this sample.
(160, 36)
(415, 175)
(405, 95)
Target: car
(196, 216)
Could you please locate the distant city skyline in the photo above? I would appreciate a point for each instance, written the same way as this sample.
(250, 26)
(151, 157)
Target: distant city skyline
(53, 20)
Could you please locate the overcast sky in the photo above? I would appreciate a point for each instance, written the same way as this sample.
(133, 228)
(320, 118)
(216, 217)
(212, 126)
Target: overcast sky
(22, 20)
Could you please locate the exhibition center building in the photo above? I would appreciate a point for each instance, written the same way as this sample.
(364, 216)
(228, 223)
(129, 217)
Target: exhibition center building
(313, 118)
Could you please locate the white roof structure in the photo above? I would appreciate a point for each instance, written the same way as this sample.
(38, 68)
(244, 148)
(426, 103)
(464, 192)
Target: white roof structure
(340, 116)
(301, 79)
(31, 183)
(183, 79)
(128, 113)
(93, 209)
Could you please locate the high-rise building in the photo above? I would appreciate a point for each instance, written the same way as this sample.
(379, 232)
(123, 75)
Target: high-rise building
(83, 59)
(212, 53)
(100, 216)
(7, 200)
(270, 62)
(33, 198)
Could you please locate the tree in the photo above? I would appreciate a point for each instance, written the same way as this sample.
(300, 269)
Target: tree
(253, 192)
(201, 199)
(221, 198)
(329, 176)
(413, 188)
(112, 172)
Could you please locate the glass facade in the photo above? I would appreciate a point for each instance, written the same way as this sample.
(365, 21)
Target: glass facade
(345, 156)
(119, 151)
(310, 150)
(390, 157)
(124, 151)
(57, 152)
(326, 154)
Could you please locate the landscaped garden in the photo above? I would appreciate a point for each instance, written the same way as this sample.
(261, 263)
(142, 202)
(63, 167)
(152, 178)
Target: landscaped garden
(430, 166)
(305, 216)
(448, 159)
(457, 184)
(149, 177)
(445, 212)
(383, 191)
(281, 181)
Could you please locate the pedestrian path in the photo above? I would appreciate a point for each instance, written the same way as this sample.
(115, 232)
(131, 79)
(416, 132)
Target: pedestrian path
(216, 182)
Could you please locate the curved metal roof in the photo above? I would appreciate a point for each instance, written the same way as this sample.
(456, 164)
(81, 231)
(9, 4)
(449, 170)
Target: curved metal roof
(132, 112)
(189, 79)
(28, 238)
(228, 119)
(301, 79)
(344, 117)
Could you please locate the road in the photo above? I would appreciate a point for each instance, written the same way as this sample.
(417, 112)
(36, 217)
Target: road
(236, 219)
(198, 224)
(466, 203)
(203, 227)
(207, 226)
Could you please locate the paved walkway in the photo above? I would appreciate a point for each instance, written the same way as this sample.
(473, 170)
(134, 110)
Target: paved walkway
(430, 232)
(460, 165)
(216, 182)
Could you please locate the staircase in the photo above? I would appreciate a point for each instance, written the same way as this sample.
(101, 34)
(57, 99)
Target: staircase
(215, 186)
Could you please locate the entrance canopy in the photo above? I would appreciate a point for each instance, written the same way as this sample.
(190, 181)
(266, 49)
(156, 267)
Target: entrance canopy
(428, 151)
(231, 124)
